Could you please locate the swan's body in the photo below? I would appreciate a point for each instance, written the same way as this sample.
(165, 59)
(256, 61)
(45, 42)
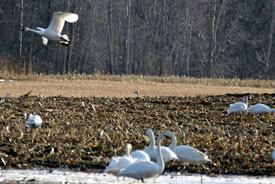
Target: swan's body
(140, 155)
(151, 150)
(34, 121)
(53, 31)
(259, 109)
(238, 107)
(119, 163)
(186, 154)
(146, 169)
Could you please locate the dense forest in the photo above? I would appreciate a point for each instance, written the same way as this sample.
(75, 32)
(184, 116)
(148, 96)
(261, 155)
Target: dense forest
(196, 38)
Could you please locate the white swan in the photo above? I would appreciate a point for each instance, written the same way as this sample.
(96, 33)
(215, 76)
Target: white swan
(238, 107)
(145, 169)
(186, 154)
(140, 155)
(119, 163)
(34, 121)
(259, 109)
(151, 150)
(53, 31)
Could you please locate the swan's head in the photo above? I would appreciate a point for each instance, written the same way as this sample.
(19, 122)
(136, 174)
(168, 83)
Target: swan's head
(245, 99)
(161, 137)
(149, 132)
(25, 29)
(128, 147)
(168, 133)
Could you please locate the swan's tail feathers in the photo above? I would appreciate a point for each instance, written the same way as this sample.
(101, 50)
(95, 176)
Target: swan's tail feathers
(44, 40)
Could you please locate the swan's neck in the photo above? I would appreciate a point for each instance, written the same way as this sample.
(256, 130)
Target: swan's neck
(127, 150)
(33, 30)
(160, 161)
(174, 142)
(152, 141)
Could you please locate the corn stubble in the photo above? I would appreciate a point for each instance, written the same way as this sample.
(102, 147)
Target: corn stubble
(84, 133)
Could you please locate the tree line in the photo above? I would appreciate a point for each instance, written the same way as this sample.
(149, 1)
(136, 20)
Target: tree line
(196, 38)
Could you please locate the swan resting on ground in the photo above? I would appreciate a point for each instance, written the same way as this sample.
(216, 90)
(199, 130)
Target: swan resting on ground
(53, 31)
(34, 121)
(186, 154)
(119, 163)
(140, 155)
(238, 107)
(259, 109)
(146, 169)
(151, 150)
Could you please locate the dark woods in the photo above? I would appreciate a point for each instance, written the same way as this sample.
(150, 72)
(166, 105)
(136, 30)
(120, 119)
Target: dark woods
(197, 38)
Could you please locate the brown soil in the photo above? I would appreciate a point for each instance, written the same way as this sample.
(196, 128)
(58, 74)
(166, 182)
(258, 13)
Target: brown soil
(85, 132)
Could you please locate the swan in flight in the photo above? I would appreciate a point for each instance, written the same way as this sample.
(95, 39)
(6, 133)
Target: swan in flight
(53, 31)
(151, 150)
(146, 169)
(34, 121)
(238, 107)
(119, 163)
(259, 109)
(186, 154)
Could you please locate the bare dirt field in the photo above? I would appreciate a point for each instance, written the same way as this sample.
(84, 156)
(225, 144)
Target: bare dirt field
(103, 88)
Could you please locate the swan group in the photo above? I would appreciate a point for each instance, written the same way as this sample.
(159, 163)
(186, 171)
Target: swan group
(238, 107)
(34, 121)
(53, 31)
(141, 170)
(151, 150)
(186, 154)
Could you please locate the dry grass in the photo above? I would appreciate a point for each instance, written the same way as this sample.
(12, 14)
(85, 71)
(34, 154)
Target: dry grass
(124, 86)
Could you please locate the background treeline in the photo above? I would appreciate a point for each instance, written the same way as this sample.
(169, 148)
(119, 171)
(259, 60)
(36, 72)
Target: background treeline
(197, 38)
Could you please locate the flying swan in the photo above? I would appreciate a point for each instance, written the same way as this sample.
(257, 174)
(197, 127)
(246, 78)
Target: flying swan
(151, 150)
(238, 107)
(259, 109)
(146, 169)
(186, 154)
(53, 31)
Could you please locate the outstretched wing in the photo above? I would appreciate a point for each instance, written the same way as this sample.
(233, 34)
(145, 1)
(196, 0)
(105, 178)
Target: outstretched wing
(58, 21)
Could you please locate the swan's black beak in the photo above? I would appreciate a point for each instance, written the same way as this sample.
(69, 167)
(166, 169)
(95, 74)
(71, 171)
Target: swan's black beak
(23, 29)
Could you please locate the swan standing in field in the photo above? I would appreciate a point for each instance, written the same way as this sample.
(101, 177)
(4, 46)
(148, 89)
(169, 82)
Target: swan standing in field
(119, 163)
(34, 121)
(186, 154)
(53, 31)
(151, 150)
(238, 107)
(146, 169)
(259, 109)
